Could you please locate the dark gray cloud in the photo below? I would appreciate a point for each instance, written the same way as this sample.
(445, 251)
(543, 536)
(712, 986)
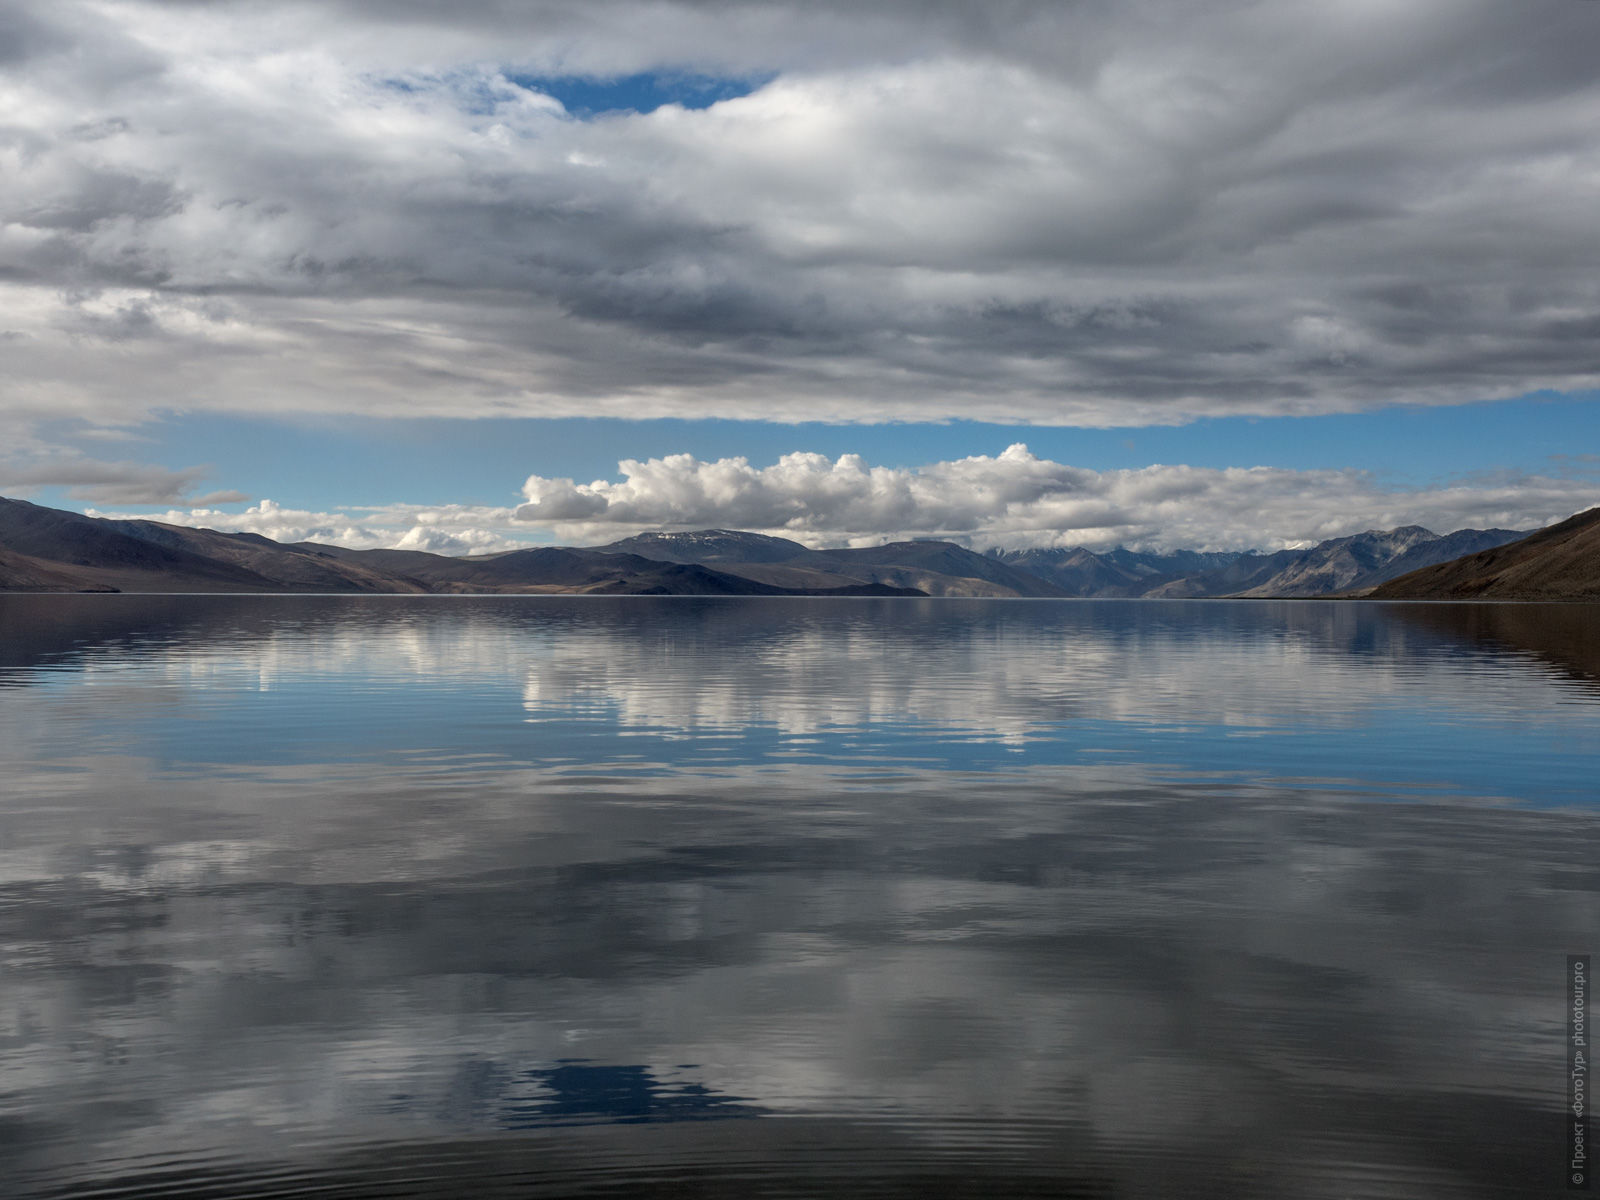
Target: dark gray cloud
(1035, 212)
(23, 37)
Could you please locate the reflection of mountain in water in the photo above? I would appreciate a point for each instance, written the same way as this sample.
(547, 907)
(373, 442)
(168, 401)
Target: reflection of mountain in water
(1563, 636)
(992, 671)
(1072, 977)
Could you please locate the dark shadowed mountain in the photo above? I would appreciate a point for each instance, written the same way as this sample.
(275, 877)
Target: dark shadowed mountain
(94, 554)
(1170, 565)
(1561, 562)
(934, 567)
(1078, 571)
(571, 569)
(47, 550)
(1339, 565)
(1365, 560)
(709, 546)
(1246, 571)
(1447, 548)
(935, 562)
(22, 573)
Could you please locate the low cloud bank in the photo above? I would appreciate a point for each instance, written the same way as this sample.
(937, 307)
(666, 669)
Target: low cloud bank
(1013, 499)
(450, 529)
(1016, 499)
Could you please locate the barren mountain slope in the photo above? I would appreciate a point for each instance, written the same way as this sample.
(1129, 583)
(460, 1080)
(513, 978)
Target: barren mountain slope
(1561, 562)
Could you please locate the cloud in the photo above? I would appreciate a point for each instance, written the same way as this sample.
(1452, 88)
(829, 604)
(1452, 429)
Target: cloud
(1091, 214)
(448, 529)
(1013, 499)
(1017, 499)
(101, 482)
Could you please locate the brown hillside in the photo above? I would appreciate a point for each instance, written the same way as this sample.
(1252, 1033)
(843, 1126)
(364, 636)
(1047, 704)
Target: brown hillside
(1558, 563)
(22, 573)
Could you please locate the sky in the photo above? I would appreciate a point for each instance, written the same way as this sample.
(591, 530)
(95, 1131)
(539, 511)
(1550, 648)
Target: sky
(457, 276)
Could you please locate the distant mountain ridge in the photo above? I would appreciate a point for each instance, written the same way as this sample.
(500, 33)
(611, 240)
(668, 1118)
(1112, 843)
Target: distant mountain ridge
(1339, 565)
(1364, 560)
(709, 545)
(1079, 571)
(45, 549)
(933, 567)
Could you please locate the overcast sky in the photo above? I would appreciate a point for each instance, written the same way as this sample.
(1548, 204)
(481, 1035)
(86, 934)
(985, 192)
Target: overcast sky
(468, 271)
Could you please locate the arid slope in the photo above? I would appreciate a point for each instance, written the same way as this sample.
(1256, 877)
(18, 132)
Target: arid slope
(1561, 562)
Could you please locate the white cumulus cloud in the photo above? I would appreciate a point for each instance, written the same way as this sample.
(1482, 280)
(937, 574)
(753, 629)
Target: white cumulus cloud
(1017, 499)
(1012, 499)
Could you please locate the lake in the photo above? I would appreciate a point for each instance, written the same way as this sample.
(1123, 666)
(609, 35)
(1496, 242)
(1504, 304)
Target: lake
(548, 896)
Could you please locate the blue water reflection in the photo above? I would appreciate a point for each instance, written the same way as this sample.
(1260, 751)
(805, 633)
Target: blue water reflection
(1361, 696)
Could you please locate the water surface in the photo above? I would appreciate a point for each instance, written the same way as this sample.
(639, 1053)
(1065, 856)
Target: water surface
(560, 895)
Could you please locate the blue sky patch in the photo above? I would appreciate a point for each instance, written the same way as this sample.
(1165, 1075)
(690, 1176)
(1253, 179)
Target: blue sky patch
(588, 96)
(336, 462)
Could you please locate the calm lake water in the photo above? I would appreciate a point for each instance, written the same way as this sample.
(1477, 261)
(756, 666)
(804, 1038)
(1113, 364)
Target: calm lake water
(541, 896)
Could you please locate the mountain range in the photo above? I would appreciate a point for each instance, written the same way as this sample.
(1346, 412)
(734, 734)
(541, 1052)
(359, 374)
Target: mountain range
(45, 549)
(1561, 562)
(1339, 565)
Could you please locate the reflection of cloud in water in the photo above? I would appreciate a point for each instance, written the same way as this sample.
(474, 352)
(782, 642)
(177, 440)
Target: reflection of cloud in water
(1004, 674)
(984, 670)
(232, 956)
(1006, 963)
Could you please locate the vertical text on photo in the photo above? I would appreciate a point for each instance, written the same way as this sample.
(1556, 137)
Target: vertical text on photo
(1577, 1114)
